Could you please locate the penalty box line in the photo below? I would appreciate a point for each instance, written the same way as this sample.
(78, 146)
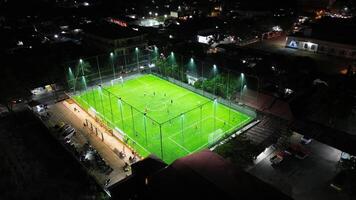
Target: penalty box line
(198, 122)
(170, 137)
(179, 145)
(224, 133)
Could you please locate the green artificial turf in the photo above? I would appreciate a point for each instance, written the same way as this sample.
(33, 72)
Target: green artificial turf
(185, 119)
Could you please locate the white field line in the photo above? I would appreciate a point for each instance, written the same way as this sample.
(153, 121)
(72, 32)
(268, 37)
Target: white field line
(187, 127)
(137, 143)
(223, 133)
(179, 145)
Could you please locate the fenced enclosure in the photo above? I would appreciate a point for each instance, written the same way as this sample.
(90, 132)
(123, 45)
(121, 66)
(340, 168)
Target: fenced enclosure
(157, 105)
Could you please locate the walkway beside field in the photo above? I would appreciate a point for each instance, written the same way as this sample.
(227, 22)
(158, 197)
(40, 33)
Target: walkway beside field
(106, 144)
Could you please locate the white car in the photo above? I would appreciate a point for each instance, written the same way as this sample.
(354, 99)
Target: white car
(67, 131)
(305, 140)
(70, 135)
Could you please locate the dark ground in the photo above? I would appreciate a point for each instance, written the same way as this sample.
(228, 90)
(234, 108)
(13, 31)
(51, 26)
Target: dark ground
(35, 166)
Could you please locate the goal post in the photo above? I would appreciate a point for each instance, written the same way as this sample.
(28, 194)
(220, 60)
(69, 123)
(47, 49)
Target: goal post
(119, 80)
(215, 136)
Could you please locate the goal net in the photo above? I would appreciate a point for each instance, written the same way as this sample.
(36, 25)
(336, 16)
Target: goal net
(119, 80)
(215, 136)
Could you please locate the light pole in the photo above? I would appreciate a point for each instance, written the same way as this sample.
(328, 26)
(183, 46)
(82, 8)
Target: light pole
(214, 73)
(172, 62)
(182, 121)
(242, 84)
(144, 123)
(81, 65)
(215, 104)
(112, 63)
(155, 54)
(258, 86)
(136, 51)
(244, 87)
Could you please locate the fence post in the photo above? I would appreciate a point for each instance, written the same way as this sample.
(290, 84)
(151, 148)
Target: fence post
(160, 133)
(112, 115)
(133, 121)
(97, 64)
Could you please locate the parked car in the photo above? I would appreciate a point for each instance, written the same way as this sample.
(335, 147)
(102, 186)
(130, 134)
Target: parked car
(305, 140)
(67, 131)
(344, 181)
(279, 157)
(65, 126)
(70, 135)
(17, 101)
(59, 126)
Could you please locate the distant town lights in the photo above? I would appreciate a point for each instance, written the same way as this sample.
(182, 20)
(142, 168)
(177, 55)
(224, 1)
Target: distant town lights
(19, 43)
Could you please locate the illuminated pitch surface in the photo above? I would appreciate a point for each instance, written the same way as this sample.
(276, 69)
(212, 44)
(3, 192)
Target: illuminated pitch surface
(163, 101)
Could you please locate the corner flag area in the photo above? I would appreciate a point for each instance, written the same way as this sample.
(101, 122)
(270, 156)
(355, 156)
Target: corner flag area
(155, 116)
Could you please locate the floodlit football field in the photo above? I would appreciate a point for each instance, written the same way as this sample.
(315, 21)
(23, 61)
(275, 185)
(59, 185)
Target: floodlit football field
(162, 118)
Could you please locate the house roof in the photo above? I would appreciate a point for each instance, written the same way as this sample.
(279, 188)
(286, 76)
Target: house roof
(206, 175)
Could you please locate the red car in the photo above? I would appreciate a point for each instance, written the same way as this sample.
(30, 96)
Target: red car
(279, 157)
(298, 151)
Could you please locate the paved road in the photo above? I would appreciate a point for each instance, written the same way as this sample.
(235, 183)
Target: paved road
(327, 64)
(303, 179)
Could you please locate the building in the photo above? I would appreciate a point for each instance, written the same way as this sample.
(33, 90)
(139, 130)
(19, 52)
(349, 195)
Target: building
(206, 175)
(330, 37)
(201, 175)
(108, 37)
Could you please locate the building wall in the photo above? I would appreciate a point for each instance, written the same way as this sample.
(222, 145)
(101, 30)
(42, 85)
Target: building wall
(322, 47)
